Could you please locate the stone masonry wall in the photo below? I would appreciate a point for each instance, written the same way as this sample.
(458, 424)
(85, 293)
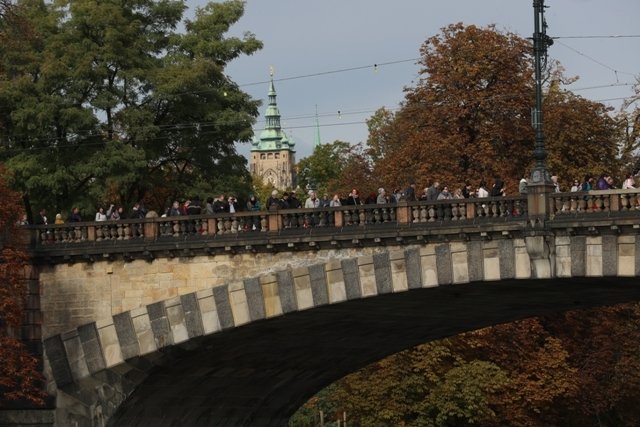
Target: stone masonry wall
(80, 293)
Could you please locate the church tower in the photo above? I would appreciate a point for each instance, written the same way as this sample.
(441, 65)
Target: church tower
(273, 155)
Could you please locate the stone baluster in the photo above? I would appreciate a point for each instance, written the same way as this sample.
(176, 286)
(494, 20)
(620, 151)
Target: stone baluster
(455, 211)
(428, 214)
(362, 217)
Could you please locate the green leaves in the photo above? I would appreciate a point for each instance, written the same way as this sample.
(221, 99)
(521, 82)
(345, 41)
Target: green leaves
(120, 101)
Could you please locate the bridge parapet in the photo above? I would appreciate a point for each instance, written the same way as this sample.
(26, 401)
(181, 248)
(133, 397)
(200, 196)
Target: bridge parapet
(270, 231)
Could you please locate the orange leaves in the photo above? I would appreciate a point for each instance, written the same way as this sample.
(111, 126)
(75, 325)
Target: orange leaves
(20, 378)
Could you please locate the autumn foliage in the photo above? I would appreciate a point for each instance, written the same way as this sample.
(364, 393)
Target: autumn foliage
(20, 378)
(468, 118)
(570, 369)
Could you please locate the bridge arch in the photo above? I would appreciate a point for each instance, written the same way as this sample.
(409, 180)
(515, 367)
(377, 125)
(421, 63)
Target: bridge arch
(250, 352)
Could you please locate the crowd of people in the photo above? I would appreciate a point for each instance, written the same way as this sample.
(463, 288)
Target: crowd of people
(289, 200)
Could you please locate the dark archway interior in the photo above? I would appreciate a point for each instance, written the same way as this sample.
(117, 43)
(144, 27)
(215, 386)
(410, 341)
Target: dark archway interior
(260, 373)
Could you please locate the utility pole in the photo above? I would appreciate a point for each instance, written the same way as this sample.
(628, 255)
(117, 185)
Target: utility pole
(540, 185)
(539, 175)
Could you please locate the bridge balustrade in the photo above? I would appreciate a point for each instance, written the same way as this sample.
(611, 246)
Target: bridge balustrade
(595, 201)
(343, 217)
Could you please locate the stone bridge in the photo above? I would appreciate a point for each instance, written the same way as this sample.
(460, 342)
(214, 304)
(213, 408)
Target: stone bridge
(239, 319)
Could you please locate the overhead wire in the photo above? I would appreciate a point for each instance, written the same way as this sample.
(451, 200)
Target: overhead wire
(89, 133)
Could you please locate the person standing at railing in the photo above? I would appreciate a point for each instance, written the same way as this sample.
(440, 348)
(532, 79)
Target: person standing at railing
(335, 202)
(59, 219)
(100, 215)
(138, 211)
(523, 186)
(233, 204)
(556, 185)
(410, 192)
(220, 205)
(174, 210)
(208, 209)
(194, 207)
(498, 188)
(629, 183)
(482, 192)
(603, 183)
(312, 201)
(382, 196)
(467, 191)
(433, 191)
(587, 185)
(353, 198)
(74, 216)
(325, 202)
(576, 186)
(293, 201)
(445, 194)
(253, 204)
(41, 218)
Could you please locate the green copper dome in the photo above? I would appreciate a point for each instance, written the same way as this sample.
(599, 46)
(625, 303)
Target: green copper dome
(272, 137)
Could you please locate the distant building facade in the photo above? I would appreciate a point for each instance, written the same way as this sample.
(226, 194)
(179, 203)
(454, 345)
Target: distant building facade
(273, 155)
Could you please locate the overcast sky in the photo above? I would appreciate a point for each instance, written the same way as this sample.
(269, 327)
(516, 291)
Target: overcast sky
(303, 38)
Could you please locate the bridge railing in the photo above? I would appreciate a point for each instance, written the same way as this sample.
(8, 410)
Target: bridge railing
(595, 201)
(419, 213)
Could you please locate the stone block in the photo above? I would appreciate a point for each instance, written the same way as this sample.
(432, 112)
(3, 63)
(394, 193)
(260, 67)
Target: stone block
(57, 358)
(126, 335)
(91, 347)
(429, 264)
(335, 282)
(382, 271)
(491, 269)
(75, 355)
(351, 278)
(609, 255)
(594, 257)
(144, 333)
(367, 276)
(210, 321)
(192, 317)
(177, 322)
(522, 261)
(475, 260)
(160, 324)
(272, 306)
(223, 306)
(398, 271)
(578, 256)
(287, 291)
(239, 305)
(460, 266)
(110, 344)
(414, 268)
(302, 282)
(318, 279)
(443, 260)
(257, 298)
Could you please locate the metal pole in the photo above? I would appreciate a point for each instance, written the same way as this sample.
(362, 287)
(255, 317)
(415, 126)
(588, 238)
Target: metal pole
(540, 175)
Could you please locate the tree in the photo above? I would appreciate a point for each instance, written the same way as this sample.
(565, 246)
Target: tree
(468, 118)
(111, 101)
(581, 137)
(20, 379)
(336, 168)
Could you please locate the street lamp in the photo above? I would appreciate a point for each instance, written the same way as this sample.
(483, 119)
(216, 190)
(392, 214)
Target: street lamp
(540, 175)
